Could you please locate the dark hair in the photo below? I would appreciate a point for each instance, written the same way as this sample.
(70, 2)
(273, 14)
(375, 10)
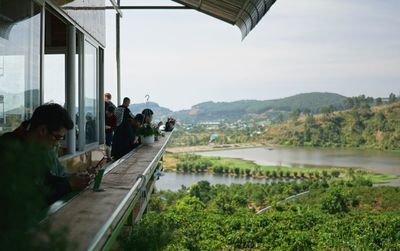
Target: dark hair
(139, 117)
(108, 95)
(53, 116)
(126, 99)
(111, 109)
(147, 112)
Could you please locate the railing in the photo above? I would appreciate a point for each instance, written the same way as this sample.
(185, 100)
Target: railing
(94, 219)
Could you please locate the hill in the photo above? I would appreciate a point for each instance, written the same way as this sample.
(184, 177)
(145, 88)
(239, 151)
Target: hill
(159, 111)
(230, 111)
(377, 127)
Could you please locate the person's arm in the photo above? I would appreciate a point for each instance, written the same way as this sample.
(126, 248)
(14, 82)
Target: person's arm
(60, 174)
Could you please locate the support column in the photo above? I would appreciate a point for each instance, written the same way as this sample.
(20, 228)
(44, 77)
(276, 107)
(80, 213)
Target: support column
(71, 85)
(101, 98)
(118, 54)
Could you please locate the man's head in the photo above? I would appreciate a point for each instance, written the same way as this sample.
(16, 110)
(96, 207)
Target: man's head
(126, 102)
(50, 122)
(107, 97)
(137, 120)
(148, 115)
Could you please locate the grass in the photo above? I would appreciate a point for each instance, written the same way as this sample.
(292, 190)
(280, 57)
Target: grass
(378, 178)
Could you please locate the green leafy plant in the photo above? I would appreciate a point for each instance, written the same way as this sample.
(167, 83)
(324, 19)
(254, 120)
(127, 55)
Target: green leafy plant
(147, 130)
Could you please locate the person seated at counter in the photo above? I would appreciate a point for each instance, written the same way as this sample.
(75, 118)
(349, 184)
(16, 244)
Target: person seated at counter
(31, 149)
(125, 136)
(136, 124)
(148, 115)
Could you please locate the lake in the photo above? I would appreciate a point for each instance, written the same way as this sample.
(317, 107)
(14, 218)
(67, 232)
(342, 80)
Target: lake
(173, 181)
(376, 161)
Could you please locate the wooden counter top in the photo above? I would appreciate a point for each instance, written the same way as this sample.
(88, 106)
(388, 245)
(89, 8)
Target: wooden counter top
(91, 217)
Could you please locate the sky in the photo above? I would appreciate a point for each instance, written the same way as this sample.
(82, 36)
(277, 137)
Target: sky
(184, 57)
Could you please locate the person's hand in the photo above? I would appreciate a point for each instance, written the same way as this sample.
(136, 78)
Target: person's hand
(79, 182)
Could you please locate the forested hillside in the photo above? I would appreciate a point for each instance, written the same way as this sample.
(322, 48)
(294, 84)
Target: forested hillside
(230, 111)
(339, 215)
(377, 127)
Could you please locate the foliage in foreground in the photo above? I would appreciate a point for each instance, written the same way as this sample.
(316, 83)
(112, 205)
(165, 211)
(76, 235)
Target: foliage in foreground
(333, 216)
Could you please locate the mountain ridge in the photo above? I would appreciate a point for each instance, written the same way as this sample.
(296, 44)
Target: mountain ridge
(241, 109)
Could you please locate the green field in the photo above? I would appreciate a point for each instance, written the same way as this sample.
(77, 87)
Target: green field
(188, 163)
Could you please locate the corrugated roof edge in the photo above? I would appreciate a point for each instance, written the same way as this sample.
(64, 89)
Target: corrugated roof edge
(249, 15)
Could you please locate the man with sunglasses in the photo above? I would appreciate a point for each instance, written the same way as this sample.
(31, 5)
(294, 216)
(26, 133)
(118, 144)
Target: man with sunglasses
(48, 125)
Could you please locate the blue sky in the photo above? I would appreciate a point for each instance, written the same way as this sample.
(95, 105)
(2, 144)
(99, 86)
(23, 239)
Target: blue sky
(183, 57)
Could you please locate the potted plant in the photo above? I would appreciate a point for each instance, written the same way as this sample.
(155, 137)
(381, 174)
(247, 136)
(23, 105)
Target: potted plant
(146, 133)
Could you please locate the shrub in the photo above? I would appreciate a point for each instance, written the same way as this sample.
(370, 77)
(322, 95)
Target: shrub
(335, 173)
(335, 201)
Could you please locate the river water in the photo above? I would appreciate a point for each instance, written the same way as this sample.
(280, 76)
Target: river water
(174, 181)
(376, 161)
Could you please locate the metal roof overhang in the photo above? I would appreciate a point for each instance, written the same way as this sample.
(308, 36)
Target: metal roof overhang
(243, 13)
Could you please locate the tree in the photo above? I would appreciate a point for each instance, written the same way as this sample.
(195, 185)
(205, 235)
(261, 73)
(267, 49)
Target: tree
(307, 111)
(201, 190)
(280, 117)
(349, 103)
(378, 101)
(335, 201)
(392, 98)
(294, 115)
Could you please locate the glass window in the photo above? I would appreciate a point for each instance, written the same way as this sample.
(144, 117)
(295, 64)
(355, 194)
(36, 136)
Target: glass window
(77, 87)
(90, 82)
(54, 64)
(20, 23)
(54, 60)
(54, 79)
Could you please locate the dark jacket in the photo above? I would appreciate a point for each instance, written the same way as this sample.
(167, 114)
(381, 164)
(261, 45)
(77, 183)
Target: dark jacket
(23, 155)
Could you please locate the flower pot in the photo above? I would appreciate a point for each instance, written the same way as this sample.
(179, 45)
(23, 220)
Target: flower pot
(148, 140)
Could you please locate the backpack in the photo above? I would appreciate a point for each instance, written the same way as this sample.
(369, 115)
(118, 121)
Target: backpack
(119, 114)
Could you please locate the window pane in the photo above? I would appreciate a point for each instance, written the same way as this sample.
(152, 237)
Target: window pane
(54, 79)
(19, 62)
(77, 98)
(54, 68)
(90, 69)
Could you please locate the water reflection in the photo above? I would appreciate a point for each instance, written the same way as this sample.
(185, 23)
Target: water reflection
(174, 181)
